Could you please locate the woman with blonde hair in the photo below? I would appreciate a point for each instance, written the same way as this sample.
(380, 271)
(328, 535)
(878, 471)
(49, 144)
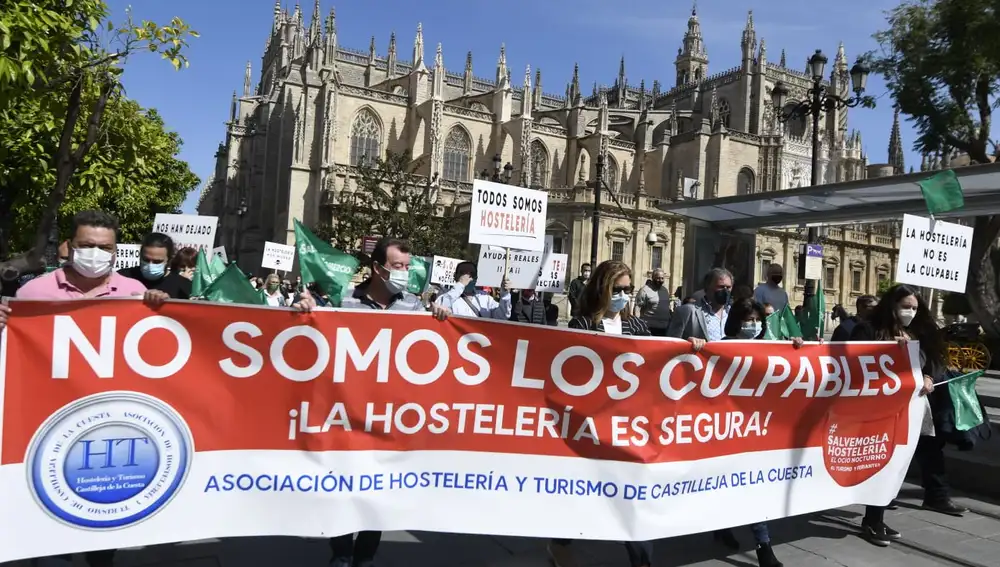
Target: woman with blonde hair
(604, 308)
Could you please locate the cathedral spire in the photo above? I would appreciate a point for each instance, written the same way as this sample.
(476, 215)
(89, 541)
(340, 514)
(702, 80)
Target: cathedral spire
(621, 72)
(782, 62)
(439, 72)
(526, 95)
(278, 19)
(467, 78)
(315, 26)
(418, 48)
(371, 51)
(502, 71)
(536, 99)
(330, 50)
(692, 58)
(896, 146)
(391, 56)
(247, 80)
(840, 62)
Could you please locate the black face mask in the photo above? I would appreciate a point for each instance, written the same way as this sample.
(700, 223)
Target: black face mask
(721, 296)
(656, 285)
(776, 279)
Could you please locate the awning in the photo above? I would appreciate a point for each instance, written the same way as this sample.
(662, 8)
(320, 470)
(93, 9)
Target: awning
(863, 201)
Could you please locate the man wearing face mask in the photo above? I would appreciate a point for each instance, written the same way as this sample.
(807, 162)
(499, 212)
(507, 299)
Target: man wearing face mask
(89, 274)
(154, 256)
(575, 291)
(705, 320)
(652, 304)
(771, 291)
(463, 300)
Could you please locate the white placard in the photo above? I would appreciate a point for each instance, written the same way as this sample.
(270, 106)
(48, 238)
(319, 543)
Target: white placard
(552, 277)
(188, 231)
(443, 270)
(527, 270)
(507, 216)
(127, 256)
(934, 255)
(220, 251)
(278, 256)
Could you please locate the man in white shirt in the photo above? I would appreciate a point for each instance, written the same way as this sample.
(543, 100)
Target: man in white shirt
(463, 300)
(771, 291)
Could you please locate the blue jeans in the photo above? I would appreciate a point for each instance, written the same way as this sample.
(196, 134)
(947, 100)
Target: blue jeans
(760, 533)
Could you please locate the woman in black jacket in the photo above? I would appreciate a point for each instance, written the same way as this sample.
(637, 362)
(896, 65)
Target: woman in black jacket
(604, 307)
(902, 315)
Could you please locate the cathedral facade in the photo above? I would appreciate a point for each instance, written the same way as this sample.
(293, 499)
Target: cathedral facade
(316, 109)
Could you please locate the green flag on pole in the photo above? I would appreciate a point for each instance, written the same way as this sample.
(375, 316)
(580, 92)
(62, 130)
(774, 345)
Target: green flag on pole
(205, 272)
(813, 315)
(323, 264)
(218, 264)
(942, 192)
(420, 274)
(965, 401)
(232, 286)
(782, 326)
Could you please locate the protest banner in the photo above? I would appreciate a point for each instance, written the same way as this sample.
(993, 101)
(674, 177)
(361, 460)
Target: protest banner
(125, 426)
(188, 231)
(127, 256)
(278, 256)
(545, 271)
(443, 270)
(507, 216)
(934, 254)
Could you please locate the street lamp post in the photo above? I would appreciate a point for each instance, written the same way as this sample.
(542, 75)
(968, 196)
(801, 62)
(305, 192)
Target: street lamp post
(501, 174)
(241, 211)
(595, 217)
(818, 100)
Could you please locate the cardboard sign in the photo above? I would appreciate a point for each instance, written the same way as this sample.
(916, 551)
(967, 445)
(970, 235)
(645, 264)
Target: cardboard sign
(443, 270)
(220, 251)
(552, 276)
(278, 256)
(934, 254)
(188, 231)
(127, 256)
(526, 270)
(508, 216)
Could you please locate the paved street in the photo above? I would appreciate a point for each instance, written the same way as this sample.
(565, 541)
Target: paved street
(822, 540)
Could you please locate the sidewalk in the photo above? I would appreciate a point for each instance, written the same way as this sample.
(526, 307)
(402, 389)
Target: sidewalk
(821, 540)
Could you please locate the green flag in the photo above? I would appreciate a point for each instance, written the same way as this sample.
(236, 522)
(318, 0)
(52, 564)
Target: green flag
(232, 286)
(323, 264)
(420, 274)
(781, 325)
(968, 412)
(217, 264)
(205, 273)
(942, 192)
(813, 315)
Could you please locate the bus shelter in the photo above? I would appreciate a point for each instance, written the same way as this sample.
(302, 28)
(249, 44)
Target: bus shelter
(722, 231)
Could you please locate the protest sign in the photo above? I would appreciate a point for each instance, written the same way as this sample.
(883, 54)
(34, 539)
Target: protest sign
(443, 270)
(125, 426)
(552, 275)
(220, 251)
(127, 256)
(543, 271)
(278, 256)
(194, 231)
(934, 254)
(507, 216)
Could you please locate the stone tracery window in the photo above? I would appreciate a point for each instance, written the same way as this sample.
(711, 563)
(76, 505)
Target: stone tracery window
(611, 174)
(457, 155)
(539, 164)
(724, 112)
(366, 137)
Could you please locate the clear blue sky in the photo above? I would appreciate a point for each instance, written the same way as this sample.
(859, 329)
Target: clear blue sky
(548, 34)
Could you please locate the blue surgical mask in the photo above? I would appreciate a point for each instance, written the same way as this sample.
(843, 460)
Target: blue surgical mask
(152, 271)
(751, 329)
(618, 302)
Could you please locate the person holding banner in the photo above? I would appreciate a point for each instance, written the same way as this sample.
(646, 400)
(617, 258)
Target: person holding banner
(748, 321)
(463, 300)
(155, 256)
(88, 274)
(902, 315)
(604, 304)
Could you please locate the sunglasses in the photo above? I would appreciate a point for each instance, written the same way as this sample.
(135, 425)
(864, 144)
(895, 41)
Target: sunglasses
(622, 289)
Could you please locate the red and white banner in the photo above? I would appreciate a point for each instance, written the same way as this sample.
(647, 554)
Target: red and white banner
(122, 426)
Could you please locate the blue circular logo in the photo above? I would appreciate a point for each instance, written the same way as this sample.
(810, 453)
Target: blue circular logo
(109, 460)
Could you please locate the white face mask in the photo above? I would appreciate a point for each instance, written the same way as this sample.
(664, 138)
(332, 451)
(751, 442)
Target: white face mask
(398, 281)
(751, 329)
(92, 263)
(906, 316)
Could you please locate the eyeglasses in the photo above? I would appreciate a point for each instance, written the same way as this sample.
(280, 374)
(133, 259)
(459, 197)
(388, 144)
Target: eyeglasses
(622, 289)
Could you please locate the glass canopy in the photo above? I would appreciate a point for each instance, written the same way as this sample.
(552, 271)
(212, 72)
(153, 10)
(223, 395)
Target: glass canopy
(868, 200)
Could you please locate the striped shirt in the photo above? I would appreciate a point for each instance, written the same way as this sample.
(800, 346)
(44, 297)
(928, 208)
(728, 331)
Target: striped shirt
(631, 326)
(404, 301)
